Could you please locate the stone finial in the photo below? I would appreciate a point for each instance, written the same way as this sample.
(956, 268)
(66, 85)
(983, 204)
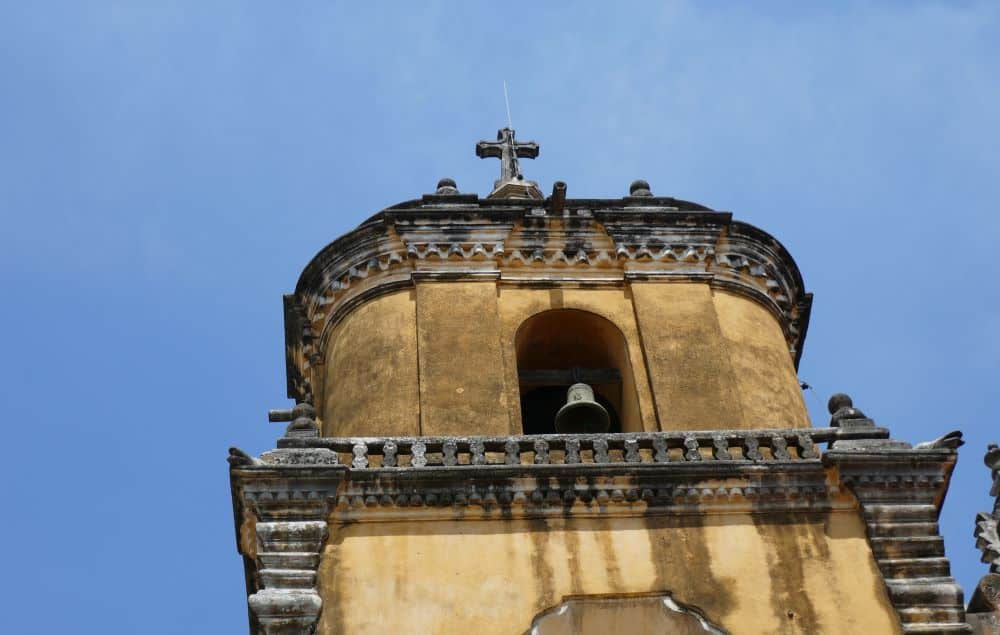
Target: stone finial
(841, 407)
(303, 424)
(639, 188)
(849, 419)
(446, 187)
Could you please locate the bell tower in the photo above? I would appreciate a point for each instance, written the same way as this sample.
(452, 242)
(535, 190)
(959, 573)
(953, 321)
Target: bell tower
(530, 414)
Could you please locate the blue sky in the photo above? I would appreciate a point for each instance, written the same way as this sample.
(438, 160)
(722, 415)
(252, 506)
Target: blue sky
(167, 169)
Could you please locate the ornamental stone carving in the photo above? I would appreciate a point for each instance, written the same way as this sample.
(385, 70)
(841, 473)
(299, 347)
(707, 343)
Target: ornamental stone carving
(984, 606)
(526, 243)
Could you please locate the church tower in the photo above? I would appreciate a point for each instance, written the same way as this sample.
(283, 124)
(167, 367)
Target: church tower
(537, 414)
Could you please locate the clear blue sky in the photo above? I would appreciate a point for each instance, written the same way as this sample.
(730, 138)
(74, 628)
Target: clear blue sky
(167, 169)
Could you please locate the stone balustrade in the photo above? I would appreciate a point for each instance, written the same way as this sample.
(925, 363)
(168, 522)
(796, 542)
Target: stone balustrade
(737, 446)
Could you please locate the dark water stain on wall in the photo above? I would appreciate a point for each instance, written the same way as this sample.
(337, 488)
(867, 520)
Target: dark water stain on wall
(682, 564)
(573, 562)
(609, 556)
(791, 605)
(538, 531)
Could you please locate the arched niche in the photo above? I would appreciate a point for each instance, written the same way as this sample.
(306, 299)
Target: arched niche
(646, 614)
(558, 347)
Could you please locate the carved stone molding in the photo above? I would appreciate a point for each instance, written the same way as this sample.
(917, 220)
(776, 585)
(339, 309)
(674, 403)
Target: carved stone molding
(583, 477)
(281, 530)
(589, 242)
(900, 492)
(289, 557)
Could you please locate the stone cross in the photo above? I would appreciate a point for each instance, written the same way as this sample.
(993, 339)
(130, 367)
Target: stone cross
(508, 151)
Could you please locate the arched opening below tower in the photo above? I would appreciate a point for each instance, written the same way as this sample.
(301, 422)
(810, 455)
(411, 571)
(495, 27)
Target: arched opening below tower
(561, 347)
(637, 614)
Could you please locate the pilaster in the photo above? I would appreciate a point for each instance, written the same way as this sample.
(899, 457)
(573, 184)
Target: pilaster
(900, 492)
(281, 502)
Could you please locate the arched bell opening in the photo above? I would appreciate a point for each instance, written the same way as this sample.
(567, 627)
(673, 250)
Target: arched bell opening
(562, 347)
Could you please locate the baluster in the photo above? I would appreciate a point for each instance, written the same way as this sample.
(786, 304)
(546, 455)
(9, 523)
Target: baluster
(512, 451)
(632, 451)
(720, 448)
(360, 455)
(417, 454)
(389, 454)
(601, 451)
(692, 453)
(572, 451)
(541, 451)
(449, 449)
(779, 447)
(807, 450)
(751, 448)
(661, 451)
(478, 450)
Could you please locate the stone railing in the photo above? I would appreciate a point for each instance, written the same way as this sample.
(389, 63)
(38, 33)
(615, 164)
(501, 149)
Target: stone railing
(740, 446)
(297, 492)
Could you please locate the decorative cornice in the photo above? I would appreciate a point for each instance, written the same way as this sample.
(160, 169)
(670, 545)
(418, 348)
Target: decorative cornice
(534, 476)
(289, 495)
(616, 240)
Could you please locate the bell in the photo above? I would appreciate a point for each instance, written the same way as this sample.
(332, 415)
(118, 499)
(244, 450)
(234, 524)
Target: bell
(581, 414)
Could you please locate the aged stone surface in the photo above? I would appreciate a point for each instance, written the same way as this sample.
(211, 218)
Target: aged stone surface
(984, 606)
(706, 390)
(900, 492)
(451, 393)
(622, 479)
(281, 532)
(378, 344)
(593, 242)
(511, 183)
(403, 496)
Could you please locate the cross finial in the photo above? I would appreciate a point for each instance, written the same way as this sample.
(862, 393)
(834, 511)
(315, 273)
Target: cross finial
(508, 150)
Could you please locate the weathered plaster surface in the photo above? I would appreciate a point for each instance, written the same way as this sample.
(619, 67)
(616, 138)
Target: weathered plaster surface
(371, 370)
(404, 331)
(764, 376)
(694, 358)
(589, 246)
(688, 359)
(772, 574)
(461, 365)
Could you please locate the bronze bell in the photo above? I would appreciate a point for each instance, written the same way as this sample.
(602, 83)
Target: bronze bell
(581, 414)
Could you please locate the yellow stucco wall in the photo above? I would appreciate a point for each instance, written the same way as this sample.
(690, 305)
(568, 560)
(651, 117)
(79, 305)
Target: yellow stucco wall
(687, 356)
(371, 370)
(766, 382)
(750, 573)
(461, 365)
(441, 359)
